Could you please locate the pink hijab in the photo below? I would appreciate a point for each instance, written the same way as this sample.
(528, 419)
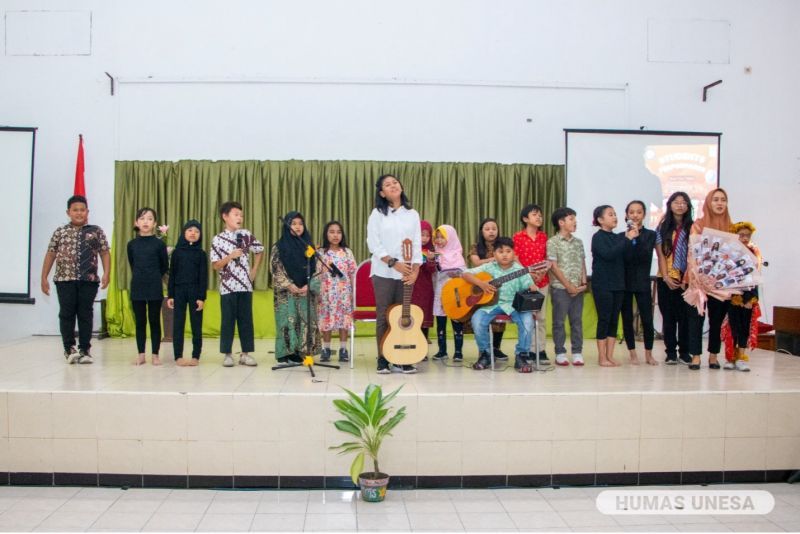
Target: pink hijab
(451, 256)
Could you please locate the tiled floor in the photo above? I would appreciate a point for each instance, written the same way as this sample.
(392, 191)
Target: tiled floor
(553, 510)
(36, 364)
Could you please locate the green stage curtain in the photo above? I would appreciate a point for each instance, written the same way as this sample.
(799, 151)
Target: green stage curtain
(459, 194)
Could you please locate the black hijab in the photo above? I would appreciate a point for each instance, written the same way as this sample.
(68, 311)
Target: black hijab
(292, 251)
(182, 243)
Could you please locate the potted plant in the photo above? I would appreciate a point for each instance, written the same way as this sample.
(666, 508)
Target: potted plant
(370, 420)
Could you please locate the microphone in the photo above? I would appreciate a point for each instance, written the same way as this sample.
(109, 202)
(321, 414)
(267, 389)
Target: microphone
(630, 224)
(239, 244)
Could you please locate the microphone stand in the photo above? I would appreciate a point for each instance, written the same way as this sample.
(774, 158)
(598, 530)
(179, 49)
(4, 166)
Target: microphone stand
(308, 359)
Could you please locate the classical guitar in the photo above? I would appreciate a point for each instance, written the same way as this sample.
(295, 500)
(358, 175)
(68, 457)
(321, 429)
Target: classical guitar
(460, 299)
(404, 343)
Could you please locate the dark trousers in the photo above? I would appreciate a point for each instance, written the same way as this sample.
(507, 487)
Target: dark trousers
(237, 310)
(388, 291)
(644, 302)
(608, 304)
(716, 311)
(739, 318)
(441, 334)
(147, 311)
(76, 300)
(184, 296)
(675, 323)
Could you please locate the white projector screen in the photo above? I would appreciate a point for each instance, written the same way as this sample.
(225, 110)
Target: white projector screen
(616, 166)
(16, 176)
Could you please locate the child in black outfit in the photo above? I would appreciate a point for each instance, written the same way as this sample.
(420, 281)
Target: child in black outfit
(147, 256)
(638, 261)
(188, 282)
(608, 279)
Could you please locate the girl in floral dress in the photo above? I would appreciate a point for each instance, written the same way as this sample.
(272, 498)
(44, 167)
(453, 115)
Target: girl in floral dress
(336, 293)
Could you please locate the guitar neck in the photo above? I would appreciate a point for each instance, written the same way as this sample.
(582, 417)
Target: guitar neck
(497, 282)
(407, 292)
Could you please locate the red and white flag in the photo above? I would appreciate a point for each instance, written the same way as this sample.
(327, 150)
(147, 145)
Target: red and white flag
(80, 187)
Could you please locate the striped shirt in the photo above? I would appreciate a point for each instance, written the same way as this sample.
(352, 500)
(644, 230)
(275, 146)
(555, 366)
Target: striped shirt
(235, 276)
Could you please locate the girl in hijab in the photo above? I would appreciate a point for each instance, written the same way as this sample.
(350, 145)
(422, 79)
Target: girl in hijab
(187, 285)
(450, 263)
(294, 292)
(423, 288)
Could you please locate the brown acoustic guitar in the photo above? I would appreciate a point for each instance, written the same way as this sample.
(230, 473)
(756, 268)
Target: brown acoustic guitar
(404, 343)
(460, 299)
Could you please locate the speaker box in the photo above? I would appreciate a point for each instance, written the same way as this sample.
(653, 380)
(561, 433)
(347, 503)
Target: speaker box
(787, 342)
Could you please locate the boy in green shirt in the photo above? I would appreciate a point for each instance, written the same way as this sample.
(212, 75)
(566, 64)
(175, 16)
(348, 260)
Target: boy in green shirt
(504, 263)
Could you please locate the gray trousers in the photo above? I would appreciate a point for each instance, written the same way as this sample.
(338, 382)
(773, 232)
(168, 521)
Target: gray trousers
(388, 291)
(565, 306)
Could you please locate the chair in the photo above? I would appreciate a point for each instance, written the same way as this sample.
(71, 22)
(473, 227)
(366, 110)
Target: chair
(502, 318)
(363, 297)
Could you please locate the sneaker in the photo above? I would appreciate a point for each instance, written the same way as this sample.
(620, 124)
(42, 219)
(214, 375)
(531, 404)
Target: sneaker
(325, 356)
(383, 366)
(531, 356)
(440, 356)
(396, 368)
(521, 363)
(409, 369)
(484, 362)
(577, 359)
(295, 358)
(671, 359)
(499, 354)
(457, 357)
(685, 359)
(246, 359)
(85, 357)
(72, 355)
(228, 361)
(344, 356)
(729, 366)
(741, 365)
(561, 359)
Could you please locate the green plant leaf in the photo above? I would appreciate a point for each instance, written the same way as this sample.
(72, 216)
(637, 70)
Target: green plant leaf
(357, 417)
(373, 401)
(392, 422)
(380, 415)
(347, 426)
(357, 467)
(356, 403)
(388, 398)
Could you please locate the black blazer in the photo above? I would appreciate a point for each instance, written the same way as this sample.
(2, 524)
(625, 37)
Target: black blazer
(638, 259)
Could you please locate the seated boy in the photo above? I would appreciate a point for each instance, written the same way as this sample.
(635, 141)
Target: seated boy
(504, 263)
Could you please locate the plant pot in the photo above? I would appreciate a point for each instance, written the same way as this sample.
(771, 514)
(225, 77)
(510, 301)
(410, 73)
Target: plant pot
(373, 486)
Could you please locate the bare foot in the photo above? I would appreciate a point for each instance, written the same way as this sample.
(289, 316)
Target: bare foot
(613, 362)
(193, 362)
(634, 358)
(606, 363)
(140, 360)
(180, 362)
(651, 361)
(155, 359)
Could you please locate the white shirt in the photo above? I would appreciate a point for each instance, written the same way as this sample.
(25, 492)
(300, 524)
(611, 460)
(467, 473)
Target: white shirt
(385, 235)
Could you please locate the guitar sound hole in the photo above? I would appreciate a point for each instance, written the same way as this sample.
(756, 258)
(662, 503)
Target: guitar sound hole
(406, 322)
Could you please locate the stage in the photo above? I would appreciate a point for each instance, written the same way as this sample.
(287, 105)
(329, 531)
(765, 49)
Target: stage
(114, 424)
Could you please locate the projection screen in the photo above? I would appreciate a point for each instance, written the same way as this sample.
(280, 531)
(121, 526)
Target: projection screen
(616, 166)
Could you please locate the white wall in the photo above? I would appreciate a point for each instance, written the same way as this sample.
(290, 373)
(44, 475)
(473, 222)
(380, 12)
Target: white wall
(576, 64)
